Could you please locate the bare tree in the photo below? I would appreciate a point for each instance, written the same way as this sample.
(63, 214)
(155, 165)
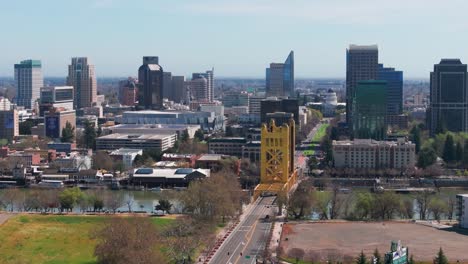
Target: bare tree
(296, 253)
(422, 202)
(128, 241)
(451, 204)
(336, 202)
(113, 201)
(9, 198)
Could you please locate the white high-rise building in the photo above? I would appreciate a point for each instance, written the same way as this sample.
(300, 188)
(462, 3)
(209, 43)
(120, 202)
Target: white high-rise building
(28, 80)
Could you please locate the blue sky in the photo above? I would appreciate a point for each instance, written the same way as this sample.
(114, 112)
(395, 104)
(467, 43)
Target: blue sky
(238, 38)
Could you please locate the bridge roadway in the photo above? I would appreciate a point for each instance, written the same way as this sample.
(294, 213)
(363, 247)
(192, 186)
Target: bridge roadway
(249, 238)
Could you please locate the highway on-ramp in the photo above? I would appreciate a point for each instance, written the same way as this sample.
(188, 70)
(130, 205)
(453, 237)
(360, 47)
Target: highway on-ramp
(248, 240)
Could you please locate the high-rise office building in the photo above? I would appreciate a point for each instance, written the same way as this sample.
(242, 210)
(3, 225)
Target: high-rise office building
(82, 77)
(128, 91)
(9, 124)
(280, 78)
(369, 109)
(199, 89)
(28, 80)
(56, 120)
(179, 90)
(56, 97)
(361, 65)
(394, 81)
(150, 79)
(209, 76)
(448, 109)
(273, 104)
(167, 85)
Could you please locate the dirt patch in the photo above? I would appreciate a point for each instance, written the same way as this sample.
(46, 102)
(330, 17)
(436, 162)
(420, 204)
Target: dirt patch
(4, 217)
(322, 241)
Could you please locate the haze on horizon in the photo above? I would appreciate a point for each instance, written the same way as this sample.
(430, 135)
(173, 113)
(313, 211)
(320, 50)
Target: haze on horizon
(238, 38)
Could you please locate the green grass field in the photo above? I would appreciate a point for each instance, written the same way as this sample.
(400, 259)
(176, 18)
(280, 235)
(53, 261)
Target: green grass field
(317, 137)
(52, 239)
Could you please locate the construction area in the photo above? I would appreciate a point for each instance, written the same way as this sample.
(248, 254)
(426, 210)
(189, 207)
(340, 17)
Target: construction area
(343, 241)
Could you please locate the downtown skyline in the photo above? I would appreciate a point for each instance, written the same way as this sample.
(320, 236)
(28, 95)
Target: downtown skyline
(191, 37)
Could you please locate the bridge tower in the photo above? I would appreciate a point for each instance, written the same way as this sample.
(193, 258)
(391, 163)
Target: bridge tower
(277, 169)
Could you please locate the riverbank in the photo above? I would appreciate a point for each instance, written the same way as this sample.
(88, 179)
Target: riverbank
(35, 238)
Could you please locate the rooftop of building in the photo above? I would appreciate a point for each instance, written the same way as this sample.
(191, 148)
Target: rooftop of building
(229, 139)
(137, 136)
(370, 142)
(154, 126)
(176, 155)
(465, 195)
(450, 61)
(211, 157)
(123, 151)
(363, 47)
(168, 173)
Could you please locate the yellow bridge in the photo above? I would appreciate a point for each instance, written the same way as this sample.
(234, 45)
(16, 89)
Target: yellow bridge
(277, 171)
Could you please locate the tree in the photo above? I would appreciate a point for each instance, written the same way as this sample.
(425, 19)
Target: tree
(164, 205)
(440, 258)
(437, 207)
(68, 133)
(449, 149)
(411, 260)
(199, 135)
(89, 135)
(300, 203)
(361, 259)
(458, 152)
(185, 136)
(336, 202)
(422, 202)
(68, 198)
(127, 241)
(377, 257)
(407, 208)
(416, 137)
(102, 160)
(296, 253)
(426, 157)
(25, 127)
(465, 154)
(386, 205)
(113, 201)
(364, 205)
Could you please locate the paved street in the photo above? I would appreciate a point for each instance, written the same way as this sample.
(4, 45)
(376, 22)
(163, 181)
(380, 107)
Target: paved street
(249, 237)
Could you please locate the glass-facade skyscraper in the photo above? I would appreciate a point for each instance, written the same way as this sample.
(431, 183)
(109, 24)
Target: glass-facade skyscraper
(394, 89)
(361, 65)
(150, 82)
(280, 78)
(369, 109)
(448, 109)
(28, 80)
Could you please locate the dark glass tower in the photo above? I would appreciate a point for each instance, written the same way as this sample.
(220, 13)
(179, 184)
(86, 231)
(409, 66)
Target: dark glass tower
(150, 80)
(449, 97)
(361, 65)
(288, 75)
(369, 109)
(394, 81)
(280, 78)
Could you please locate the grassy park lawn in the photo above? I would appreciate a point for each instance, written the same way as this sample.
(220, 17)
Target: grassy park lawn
(317, 137)
(52, 239)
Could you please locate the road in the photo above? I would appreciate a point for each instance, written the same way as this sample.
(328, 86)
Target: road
(249, 237)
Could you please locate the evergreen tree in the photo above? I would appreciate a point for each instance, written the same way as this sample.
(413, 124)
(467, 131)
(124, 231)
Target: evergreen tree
(89, 135)
(440, 258)
(411, 260)
(416, 138)
(377, 257)
(199, 135)
(449, 149)
(68, 133)
(361, 259)
(458, 152)
(465, 154)
(427, 157)
(185, 136)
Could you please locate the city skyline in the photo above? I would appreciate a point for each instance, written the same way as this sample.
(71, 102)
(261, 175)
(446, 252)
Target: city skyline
(318, 32)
